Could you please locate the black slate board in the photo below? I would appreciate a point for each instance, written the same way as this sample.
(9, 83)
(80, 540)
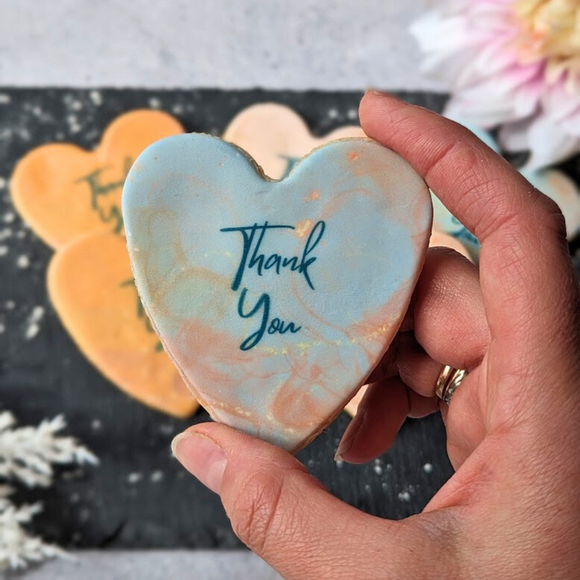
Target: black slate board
(139, 497)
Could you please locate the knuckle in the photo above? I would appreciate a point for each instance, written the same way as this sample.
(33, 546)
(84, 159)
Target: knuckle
(552, 215)
(261, 500)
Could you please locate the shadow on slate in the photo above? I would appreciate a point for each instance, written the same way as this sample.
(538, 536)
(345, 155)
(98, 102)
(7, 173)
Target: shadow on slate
(139, 497)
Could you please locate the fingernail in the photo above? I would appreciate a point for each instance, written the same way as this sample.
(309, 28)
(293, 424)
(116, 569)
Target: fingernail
(202, 457)
(350, 435)
(378, 92)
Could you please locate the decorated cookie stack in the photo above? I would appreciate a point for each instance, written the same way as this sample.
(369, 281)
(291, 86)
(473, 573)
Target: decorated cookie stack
(72, 200)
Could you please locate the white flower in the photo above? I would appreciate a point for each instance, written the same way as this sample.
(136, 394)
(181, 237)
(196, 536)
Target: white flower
(514, 63)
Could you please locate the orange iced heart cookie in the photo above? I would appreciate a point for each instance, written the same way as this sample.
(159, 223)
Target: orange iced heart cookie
(277, 137)
(64, 191)
(91, 287)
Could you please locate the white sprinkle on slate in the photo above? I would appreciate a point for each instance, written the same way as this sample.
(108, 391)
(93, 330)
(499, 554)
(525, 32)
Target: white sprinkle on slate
(352, 114)
(2, 328)
(76, 105)
(166, 429)
(9, 217)
(5, 233)
(177, 109)
(428, 468)
(73, 124)
(20, 234)
(339, 463)
(96, 425)
(378, 469)
(2, 182)
(404, 496)
(134, 478)
(75, 497)
(3, 250)
(4, 99)
(367, 488)
(23, 261)
(333, 113)
(385, 486)
(10, 304)
(31, 331)
(96, 97)
(154, 103)
(157, 476)
(34, 319)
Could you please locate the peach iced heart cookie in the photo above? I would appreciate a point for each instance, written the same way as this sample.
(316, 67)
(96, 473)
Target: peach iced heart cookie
(64, 191)
(92, 289)
(277, 137)
(275, 299)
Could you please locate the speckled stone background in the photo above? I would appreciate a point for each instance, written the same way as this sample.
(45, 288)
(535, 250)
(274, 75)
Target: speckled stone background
(303, 44)
(139, 497)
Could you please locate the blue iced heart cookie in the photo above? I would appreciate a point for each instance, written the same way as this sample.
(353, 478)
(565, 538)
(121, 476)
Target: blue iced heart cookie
(275, 299)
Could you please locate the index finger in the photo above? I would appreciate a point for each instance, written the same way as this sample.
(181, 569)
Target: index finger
(521, 231)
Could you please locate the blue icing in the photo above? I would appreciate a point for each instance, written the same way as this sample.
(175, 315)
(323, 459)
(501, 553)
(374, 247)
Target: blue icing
(282, 286)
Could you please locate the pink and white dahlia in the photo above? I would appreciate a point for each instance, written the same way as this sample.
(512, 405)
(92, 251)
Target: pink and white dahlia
(514, 63)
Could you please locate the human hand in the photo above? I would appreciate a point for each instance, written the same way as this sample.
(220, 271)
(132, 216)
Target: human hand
(512, 509)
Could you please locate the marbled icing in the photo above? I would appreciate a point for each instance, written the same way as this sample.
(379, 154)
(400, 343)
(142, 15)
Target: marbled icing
(376, 210)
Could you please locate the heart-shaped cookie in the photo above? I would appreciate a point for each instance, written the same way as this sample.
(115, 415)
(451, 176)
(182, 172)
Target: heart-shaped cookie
(64, 191)
(275, 299)
(277, 137)
(91, 286)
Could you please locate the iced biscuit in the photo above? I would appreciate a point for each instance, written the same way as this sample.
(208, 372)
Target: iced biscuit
(63, 191)
(91, 286)
(276, 137)
(275, 299)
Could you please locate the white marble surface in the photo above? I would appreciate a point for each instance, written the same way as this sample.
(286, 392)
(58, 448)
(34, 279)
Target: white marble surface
(153, 565)
(303, 44)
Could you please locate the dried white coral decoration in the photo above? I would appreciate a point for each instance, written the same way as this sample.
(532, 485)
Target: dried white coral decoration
(27, 455)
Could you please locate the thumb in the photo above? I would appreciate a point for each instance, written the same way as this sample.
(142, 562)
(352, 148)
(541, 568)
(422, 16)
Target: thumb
(286, 516)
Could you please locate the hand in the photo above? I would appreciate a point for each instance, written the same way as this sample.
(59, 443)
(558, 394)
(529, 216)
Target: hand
(512, 509)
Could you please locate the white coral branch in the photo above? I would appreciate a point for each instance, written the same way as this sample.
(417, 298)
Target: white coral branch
(27, 454)
(17, 547)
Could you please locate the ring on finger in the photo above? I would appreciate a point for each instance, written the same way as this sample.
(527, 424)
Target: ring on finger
(448, 382)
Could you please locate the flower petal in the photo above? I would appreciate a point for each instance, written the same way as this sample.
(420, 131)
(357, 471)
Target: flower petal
(549, 144)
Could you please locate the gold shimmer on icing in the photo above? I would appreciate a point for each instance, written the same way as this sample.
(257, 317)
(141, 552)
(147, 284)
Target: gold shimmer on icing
(314, 195)
(303, 228)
